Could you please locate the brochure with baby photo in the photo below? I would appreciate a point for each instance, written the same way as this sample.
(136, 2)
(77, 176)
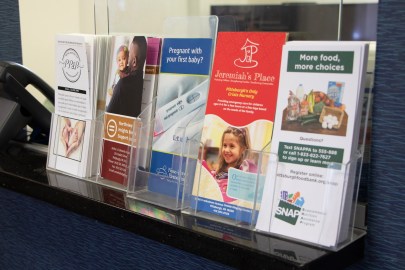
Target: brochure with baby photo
(238, 124)
(316, 135)
(131, 87)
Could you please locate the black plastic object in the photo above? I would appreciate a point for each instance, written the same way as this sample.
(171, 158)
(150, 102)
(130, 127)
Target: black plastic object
(18, 108)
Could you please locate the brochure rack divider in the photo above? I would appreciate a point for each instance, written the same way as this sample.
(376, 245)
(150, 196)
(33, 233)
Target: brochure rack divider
(269, 164)
(140, 158)
(97, 147)
(352, 198)
(159, 164)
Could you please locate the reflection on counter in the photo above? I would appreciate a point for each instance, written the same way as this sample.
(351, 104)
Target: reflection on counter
(288, 250)
(109, 195)
(219, 230)
(75, 185)
(152, 211)
(113, 197)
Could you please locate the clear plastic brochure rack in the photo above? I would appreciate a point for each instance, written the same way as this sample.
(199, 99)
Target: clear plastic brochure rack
(182, 181)
(253, 199)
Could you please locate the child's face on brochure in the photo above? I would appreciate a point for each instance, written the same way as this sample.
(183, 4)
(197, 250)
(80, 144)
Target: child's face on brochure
(122, 61)
(231, 149)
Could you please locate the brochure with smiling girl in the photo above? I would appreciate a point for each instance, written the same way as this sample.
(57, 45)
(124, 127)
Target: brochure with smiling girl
(238, 124)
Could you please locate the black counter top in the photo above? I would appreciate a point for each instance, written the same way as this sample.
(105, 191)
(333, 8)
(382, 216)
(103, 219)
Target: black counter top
(23, 169)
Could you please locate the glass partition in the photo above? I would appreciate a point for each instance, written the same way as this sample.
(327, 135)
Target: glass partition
(314, 20)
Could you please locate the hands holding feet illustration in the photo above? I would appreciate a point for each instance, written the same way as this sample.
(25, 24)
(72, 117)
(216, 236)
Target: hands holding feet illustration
(71, 137)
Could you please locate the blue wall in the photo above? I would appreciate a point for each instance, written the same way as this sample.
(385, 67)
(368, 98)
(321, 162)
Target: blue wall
(386, 187)
(10, 41)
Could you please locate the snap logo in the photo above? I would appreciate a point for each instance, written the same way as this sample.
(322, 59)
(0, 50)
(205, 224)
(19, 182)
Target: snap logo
(71, 65)
(289, 207)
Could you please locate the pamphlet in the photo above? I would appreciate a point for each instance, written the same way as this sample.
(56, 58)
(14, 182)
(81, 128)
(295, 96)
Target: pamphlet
(238, 123)
(131, 87)
(73, 94)
(73, 131)
(180, 106)
(315, 136)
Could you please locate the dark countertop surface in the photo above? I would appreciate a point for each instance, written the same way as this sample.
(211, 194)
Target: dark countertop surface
(23, 169)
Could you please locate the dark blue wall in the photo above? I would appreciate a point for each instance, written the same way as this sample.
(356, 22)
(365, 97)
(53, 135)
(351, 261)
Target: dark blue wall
(10, 40)
(386, 187)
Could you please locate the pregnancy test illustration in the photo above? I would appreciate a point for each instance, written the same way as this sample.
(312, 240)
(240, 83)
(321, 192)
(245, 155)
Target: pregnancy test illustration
(175, 110)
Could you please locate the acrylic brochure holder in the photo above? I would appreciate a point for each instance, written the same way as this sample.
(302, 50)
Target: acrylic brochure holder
(119, 135)
(144, 183)
(300, 222)
(159, 163)
(235, 200)
(243, 198)
(80, 160)
(104, 157)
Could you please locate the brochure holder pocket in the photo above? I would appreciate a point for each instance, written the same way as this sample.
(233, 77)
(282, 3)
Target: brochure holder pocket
(158, 177)
(322, 213)
(117, 143)
(233, 197)
(186, 54)
(73, 146)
